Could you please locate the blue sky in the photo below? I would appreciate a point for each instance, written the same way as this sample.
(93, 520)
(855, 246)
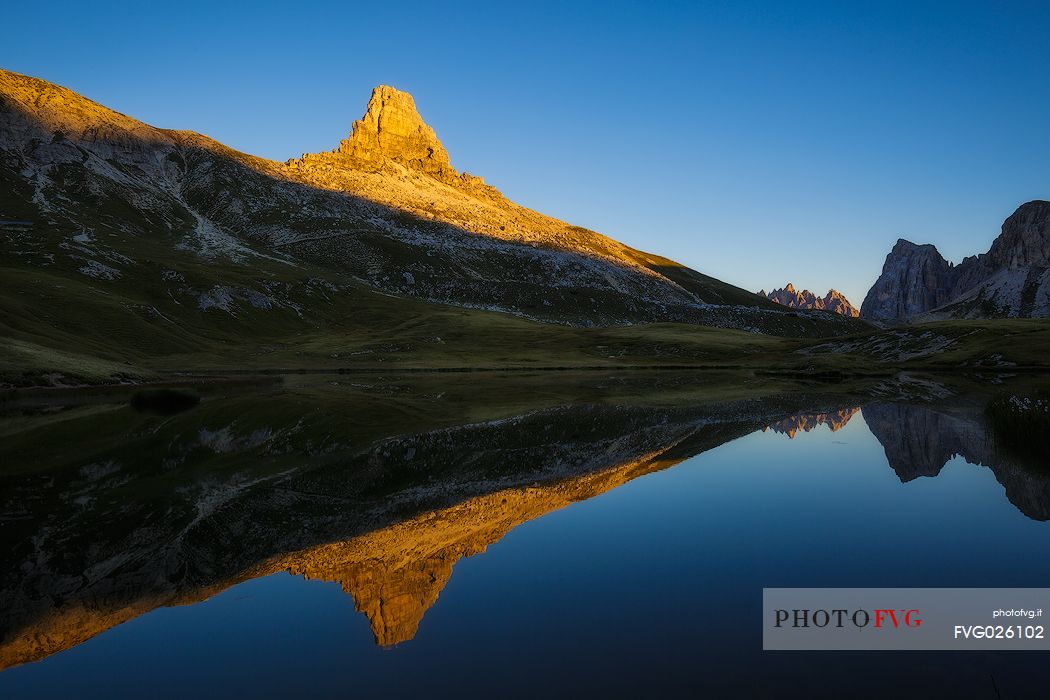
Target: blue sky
(757, 142)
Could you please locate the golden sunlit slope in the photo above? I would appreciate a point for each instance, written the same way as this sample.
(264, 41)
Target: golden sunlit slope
(392, 156)
(170, 228)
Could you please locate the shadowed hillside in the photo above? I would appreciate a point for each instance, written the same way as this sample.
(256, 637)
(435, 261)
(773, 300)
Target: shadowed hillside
(139, 243)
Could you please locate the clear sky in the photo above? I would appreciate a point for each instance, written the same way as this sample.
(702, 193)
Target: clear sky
(757, 142)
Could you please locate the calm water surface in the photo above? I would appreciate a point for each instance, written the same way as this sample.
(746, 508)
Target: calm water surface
(577, 550)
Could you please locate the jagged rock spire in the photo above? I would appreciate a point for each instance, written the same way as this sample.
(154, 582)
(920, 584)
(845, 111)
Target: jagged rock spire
(392, 129)
(832, 301)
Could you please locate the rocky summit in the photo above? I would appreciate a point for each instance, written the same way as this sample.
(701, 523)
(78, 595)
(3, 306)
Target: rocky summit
(833, 301)
(393, 130)
(914, 279)
(1011, 280)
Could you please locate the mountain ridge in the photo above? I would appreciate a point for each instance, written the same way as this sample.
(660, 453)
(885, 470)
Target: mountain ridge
(834, 301)
(1011, 280)
(165, 239)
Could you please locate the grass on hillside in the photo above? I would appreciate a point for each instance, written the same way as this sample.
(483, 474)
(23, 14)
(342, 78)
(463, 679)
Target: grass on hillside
(142, 322)
(28, 364)
(60, 326)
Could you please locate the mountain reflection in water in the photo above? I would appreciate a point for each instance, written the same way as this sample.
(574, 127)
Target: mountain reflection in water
(382, 487)
(804, 422)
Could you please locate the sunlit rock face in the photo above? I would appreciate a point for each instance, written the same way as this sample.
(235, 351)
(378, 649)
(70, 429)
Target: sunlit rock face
(833, 301)
(393, 130)
(836, 301)
(1011, 280)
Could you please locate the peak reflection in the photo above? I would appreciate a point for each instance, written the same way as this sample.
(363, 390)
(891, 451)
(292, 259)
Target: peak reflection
(380, 487)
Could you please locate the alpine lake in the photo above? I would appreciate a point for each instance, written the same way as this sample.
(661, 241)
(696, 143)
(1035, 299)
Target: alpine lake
(546, 534)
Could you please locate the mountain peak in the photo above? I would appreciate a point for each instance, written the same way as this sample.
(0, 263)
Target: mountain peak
(833, 301)
(392, 129)
(1025, 238)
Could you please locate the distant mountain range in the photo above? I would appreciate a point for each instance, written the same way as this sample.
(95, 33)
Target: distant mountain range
(1011, 280)
(832, 301)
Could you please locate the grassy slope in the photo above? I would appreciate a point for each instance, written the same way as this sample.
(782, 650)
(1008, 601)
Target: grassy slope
(57, 321)
(54, 319)
(1025, 342)
(999, 345)
(55, 324)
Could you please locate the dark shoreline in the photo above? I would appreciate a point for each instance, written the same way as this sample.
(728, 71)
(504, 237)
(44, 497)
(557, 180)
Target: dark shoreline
(235, 378)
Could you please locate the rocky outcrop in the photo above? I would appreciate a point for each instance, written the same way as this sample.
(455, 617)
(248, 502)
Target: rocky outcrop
(1025, 239)
(393, 130)
(833, 301)
(1011, 280)
(914, 278)
(837, 302)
